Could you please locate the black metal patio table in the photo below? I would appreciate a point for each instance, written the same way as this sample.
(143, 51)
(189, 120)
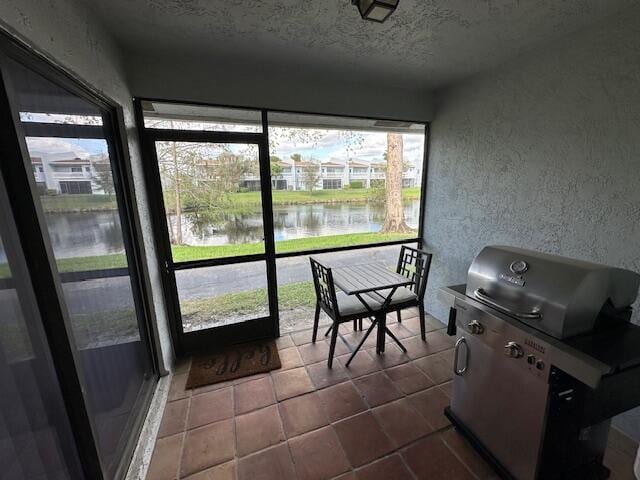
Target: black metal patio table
(371, 279)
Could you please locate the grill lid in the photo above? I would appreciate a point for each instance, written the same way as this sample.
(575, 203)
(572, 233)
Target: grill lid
(560, 296)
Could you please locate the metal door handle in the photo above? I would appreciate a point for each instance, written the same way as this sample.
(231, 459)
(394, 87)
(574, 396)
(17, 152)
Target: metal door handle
(460, 371)
(483, 297)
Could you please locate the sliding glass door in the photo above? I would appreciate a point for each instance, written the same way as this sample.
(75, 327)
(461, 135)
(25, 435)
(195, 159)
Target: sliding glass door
(67, 192)
(210, 165)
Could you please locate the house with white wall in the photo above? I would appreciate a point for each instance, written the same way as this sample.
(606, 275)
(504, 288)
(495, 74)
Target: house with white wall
(68, 173)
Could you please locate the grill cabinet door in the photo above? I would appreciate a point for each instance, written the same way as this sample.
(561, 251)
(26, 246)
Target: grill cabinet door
(502, 405)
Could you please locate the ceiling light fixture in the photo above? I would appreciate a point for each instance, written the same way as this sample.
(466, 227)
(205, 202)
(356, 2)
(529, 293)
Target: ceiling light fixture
(376, 10)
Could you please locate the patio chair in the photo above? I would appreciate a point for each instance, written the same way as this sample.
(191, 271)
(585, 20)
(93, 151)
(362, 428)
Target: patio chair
(413, 264)
(340, 307)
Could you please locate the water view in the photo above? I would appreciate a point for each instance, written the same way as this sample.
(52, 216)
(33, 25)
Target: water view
(82, 234)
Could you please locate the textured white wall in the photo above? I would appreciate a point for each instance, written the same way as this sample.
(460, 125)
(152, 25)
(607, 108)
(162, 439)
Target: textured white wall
(64, 31)
(543, 153)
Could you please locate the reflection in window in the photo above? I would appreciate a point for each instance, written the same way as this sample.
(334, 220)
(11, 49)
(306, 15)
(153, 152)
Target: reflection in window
(35, 437)
(60, 118)
(197, 117)
(75, 186)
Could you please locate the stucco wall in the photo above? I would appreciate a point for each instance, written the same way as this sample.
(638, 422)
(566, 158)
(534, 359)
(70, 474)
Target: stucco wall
(64, 31)
(543, 153)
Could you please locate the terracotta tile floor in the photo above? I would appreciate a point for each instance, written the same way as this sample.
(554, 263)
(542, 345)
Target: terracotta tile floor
(379, 419)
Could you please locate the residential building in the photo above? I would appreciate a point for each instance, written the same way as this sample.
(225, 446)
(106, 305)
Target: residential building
(67, 173)
(333, 175)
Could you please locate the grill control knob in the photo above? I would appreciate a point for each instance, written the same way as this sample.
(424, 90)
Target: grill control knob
(475, 327)
(513, 350)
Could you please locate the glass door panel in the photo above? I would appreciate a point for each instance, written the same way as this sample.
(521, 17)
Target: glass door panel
(74, 179)
(222, 295)
(212, 199)
(215, 227)
(35, 436)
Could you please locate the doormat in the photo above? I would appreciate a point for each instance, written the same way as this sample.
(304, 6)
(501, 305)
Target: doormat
(234, 361)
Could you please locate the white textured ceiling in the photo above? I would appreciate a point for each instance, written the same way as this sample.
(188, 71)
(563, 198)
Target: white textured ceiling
(425, 44)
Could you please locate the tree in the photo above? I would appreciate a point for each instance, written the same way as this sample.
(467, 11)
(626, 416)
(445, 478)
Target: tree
(310, 177)
(230, 169)
(394, 221)
(197, 180)
(104, 177)
(276, 170)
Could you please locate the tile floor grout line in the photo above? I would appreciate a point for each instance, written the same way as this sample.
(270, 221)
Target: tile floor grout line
(435, 431)
(235, 429)
(460, 459)
(369, 408)
(184, 438)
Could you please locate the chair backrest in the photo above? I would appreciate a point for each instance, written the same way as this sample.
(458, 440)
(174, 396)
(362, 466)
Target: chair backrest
(325, 288)
(415, 264)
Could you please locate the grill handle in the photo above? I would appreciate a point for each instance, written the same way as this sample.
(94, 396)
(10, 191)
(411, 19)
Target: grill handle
(460, 371)
(481, 295)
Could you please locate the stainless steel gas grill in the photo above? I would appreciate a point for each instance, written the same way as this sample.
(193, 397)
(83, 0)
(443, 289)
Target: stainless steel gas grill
(545, 357)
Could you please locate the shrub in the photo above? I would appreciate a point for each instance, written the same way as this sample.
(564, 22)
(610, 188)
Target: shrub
(356, 184)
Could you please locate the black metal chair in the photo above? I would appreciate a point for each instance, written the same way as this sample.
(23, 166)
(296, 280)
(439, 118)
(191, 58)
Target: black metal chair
(340, 307)
(413, 264)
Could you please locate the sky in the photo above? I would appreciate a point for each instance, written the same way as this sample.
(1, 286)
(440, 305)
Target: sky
(316, 144)
(82, 147)
(339, 145)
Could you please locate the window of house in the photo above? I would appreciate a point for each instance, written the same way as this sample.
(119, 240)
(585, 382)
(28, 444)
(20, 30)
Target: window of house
(331, 184)
(76, 169)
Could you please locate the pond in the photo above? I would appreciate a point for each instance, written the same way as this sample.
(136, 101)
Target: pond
(294, 221)
(99, 233)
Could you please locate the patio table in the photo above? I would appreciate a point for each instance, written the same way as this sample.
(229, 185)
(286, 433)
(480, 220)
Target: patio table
(371, 279)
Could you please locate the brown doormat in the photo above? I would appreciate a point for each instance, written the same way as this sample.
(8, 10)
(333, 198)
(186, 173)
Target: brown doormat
(234, 361)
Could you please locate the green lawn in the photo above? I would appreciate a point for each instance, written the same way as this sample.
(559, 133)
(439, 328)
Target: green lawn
(288, 197)
(203, 310)
(96, 203)
(89, 329)
(184, 253)
(78, 203)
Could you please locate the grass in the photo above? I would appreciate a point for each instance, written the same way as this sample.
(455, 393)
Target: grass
(89, 329)
(97, 203)
(184, 253)
(295, 295)
(288, 197)
(78, 203)
(290, 296)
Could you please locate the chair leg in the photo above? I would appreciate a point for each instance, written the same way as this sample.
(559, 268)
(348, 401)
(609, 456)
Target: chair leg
(316, 320)
(399, 316)
(360, 323)
(328, 330)
(332, 347)
(355, 325)
(423, 328)
(364, 339)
